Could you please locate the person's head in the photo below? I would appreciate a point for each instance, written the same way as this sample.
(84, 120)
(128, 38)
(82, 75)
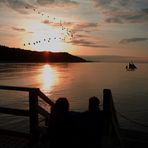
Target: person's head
(61, 105)
(94, 104)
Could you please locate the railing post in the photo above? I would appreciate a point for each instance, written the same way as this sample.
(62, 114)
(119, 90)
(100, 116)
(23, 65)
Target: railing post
(111, 126)
(33, 108)
(107, 117)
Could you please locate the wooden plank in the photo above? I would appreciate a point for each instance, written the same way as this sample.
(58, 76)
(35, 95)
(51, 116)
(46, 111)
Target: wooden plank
(17, 88)
(17, 112)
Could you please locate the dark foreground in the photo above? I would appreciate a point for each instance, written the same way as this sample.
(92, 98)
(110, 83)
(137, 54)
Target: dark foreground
(90, 129)
(129, 139)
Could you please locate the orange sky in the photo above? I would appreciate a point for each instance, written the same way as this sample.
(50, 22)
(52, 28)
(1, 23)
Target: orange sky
(90, 27)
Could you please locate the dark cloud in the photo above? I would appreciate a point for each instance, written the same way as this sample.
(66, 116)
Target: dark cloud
(123, 11)
(82, 42)
(114, 20)
(81, 36)
(112, 5)
(85, 27)
(145, 10)
(131, 40)
(21, 5)
(17, 5)
(58, 2)
(138, 16)
(18, 29)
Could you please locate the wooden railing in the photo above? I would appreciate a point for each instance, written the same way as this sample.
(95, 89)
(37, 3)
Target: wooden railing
(111, 134)
(34, 108)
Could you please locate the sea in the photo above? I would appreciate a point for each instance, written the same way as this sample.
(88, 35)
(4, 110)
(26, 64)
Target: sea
(77, 82)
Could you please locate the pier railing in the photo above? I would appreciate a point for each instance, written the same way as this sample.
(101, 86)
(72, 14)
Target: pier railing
(111, 134)
(34, 109)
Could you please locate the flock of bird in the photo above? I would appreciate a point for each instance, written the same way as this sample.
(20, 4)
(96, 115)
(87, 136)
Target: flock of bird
(67, 32)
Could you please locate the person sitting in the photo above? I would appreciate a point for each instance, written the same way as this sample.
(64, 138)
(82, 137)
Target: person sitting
(58, 123)
(92, 124)
(93, 106)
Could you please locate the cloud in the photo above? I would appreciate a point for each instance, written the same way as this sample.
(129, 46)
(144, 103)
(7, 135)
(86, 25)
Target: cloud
(123, 11)
(114, 20)
(75, 27)
(138, 16)
(82, 42)
(58, 3)
(85, 27)
(112, 5)
(18, 29)
(52, 23)
(47, 22)
(17, 5)
(21, 5)
(132, 40)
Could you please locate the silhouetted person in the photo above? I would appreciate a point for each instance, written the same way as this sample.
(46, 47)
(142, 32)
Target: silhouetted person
(93, 106)
(93, 124)
(59, 124)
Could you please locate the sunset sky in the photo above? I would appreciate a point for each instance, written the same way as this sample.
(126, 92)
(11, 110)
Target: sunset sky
(80, 27)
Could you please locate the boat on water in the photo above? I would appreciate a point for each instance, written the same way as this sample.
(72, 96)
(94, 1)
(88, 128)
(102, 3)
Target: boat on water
(131, 66)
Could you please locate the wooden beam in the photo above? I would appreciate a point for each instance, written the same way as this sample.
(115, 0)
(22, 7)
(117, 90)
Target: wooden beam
(45, 98)
(43, 112)
(17, 88)
(17, 112)
(14, 133)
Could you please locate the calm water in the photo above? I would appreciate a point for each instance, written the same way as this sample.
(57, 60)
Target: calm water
(78, 82)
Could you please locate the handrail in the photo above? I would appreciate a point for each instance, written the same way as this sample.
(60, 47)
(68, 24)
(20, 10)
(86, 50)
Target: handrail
(43, 112)
(18, 112)
(18, 88)
(45, 98)
(34, 108)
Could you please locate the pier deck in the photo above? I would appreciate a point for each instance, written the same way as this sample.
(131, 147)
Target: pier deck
(129, 139)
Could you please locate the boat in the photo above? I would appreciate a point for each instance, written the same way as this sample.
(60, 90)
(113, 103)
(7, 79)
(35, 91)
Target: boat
(131, 66)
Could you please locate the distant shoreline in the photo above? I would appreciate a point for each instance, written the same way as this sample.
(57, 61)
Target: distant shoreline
(17, 55)
(115, 59)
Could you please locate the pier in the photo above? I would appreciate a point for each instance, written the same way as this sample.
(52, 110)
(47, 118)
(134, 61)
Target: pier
(113, 136)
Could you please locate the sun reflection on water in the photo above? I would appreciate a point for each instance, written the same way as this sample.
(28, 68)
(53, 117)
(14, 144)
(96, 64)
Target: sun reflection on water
(48, 77)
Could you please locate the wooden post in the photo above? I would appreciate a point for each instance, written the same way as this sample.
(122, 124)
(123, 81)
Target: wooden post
(111, 125)
(107, 117)
(33, 108)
